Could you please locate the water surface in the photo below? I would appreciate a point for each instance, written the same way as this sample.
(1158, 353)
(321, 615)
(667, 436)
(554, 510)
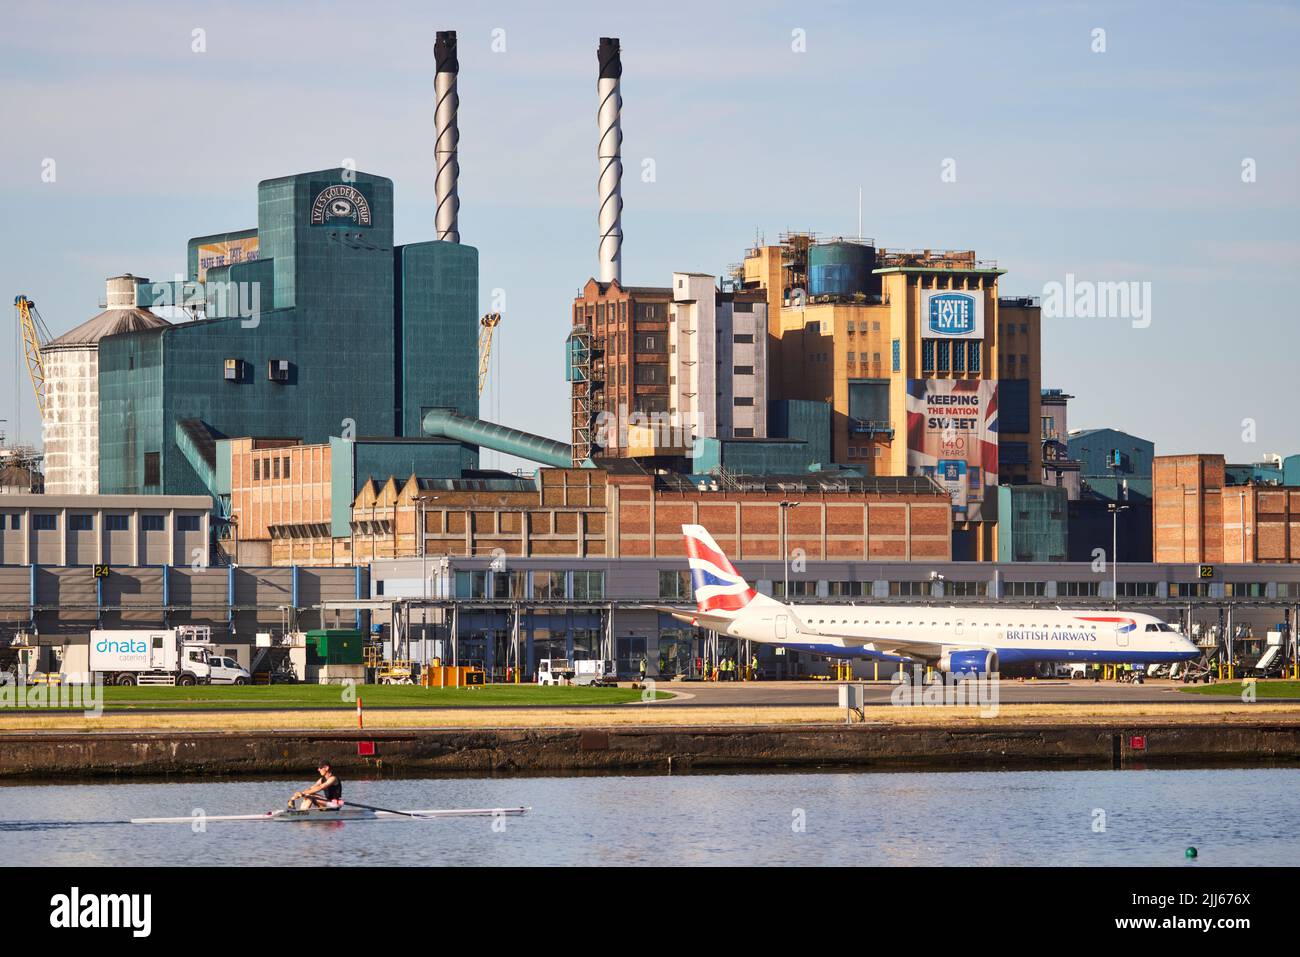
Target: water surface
(970, 818)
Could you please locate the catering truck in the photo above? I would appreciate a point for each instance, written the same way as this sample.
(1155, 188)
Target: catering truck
(165, 656)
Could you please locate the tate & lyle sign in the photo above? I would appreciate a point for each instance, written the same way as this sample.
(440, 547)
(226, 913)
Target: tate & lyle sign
(951, 314)
(339, 204)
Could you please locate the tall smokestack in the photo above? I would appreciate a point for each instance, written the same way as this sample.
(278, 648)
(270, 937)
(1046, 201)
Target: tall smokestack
(610, 156)
(448, 136)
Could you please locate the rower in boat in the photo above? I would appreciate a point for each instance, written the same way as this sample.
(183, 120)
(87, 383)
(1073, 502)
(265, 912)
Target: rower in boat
(326, 793)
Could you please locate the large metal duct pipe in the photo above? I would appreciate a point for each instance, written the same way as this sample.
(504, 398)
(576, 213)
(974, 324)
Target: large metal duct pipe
(450, 424)
(446, 219)
(609, 154)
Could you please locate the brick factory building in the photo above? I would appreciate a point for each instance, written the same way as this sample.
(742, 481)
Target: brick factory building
(1200, 517)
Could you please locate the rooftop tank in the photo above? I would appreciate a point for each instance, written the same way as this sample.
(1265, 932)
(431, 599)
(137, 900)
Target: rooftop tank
(842, 268)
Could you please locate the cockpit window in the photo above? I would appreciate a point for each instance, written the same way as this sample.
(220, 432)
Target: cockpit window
(1153, 627)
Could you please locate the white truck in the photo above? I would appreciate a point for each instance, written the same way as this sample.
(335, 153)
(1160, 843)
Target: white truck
(562, 671)
(168, 656)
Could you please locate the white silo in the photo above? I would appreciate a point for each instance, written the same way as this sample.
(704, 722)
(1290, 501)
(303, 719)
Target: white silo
(71, 423)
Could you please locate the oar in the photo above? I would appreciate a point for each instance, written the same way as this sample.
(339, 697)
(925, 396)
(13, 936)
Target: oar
(386, 810)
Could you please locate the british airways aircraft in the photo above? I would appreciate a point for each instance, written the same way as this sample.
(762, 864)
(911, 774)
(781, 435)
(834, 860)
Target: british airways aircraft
(954, 639)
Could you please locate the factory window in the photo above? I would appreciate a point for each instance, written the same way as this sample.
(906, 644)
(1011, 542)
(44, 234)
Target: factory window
(675, 584)
(646, 373)
(875, 327)
(588, 585)
(743, 370)
(744, 400)
(550, 586)
(187, 523)
(81, 522)
(286, 466)
(257, 470)
(275, 463)
(1244, 589)
(959, 358)
(151, 523)
(743, 338)
(16, 523)
(849, 589)
(963, 589)
(45, 521)
(973, 356)
(508, 584)
(896, 355)
(945, 349)
(1077, 589)
(1023, 589)
(875, 357)
(853, 357)
(1137, 589)
(1190, 589)
(912, 589)
(744, 433)
(798, 589)
(152, 468)
(117, 523)
(927, 355)
(471, 584)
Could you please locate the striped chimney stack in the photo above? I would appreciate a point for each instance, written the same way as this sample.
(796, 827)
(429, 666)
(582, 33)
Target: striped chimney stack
(609, 153)
(446, 219)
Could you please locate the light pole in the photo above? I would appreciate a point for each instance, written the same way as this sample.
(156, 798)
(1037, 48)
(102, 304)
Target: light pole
(1115, 508)
(424, 572)
(785, 553)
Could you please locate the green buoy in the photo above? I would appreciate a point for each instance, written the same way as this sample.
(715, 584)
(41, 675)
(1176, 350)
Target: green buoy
(1190, 853)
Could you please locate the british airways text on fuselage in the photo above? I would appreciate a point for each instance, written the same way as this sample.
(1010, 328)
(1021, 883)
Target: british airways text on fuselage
(1049, 634)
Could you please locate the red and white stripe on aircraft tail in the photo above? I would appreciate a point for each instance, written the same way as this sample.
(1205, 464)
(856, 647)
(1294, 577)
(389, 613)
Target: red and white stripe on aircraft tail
(717, 584)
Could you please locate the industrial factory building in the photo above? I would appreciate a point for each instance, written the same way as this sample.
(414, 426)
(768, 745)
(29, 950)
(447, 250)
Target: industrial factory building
(926, 368)
(120, 530)
(1200, 516)
(317, 292)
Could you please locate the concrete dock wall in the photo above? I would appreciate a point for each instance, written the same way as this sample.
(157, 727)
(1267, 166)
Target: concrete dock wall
(293, 753)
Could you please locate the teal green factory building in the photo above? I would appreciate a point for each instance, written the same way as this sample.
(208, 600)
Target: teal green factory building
(316, 325)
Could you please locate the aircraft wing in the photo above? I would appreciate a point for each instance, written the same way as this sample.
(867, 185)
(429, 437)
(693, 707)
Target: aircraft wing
(924, 650)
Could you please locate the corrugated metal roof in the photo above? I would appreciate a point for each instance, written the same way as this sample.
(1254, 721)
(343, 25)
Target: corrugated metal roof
(108, 323)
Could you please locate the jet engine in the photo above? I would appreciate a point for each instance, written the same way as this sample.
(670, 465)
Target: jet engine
(978, 661)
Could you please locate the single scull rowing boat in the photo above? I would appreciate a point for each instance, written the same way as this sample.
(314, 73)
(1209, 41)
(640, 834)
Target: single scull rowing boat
(337, 814)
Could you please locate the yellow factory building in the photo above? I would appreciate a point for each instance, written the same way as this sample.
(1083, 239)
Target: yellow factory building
(927, 369)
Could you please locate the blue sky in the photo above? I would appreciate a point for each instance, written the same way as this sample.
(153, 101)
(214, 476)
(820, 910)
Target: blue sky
(1115, 166)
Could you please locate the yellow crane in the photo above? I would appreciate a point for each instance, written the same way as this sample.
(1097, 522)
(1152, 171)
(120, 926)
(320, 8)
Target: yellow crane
(487, 325)
(35, 336)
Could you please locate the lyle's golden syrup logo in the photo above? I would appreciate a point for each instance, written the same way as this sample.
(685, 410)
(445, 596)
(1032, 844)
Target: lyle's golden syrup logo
(340, 204)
